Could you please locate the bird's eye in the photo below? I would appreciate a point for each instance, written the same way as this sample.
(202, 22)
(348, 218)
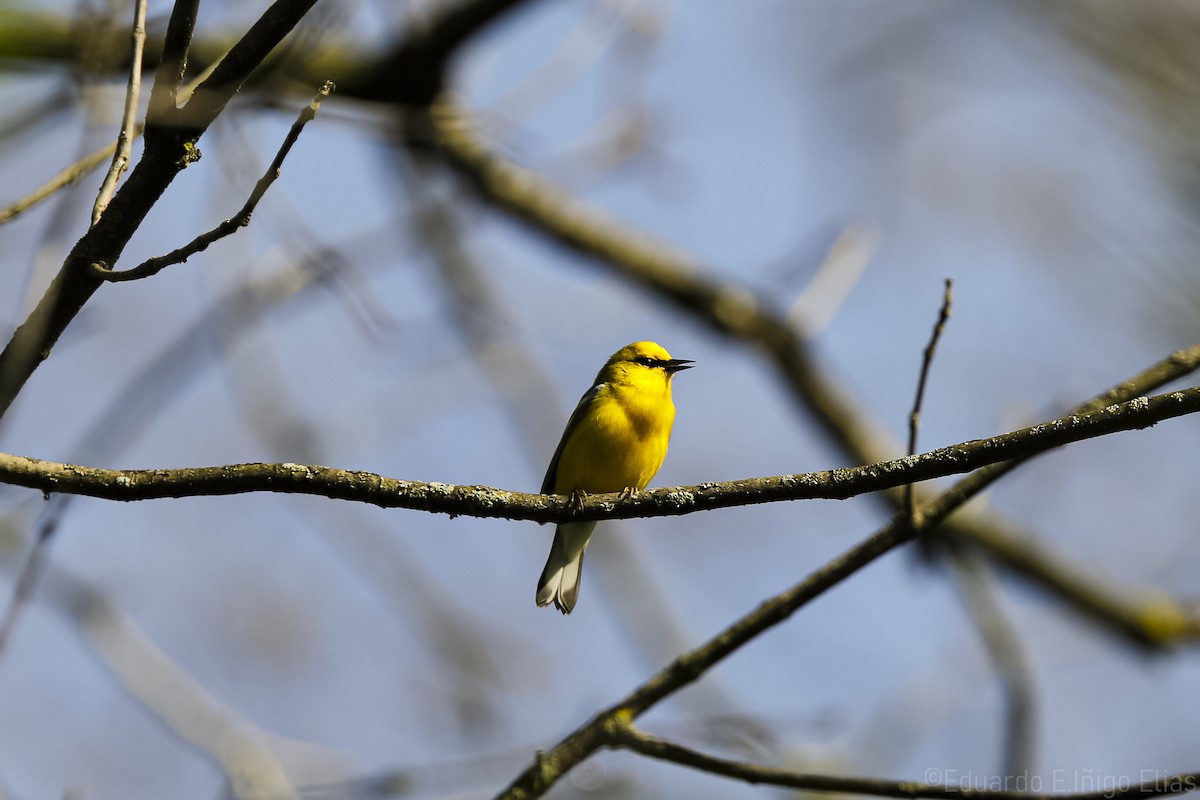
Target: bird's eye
(645, 361)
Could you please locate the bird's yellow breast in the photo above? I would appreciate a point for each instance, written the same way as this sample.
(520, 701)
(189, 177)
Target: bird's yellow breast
(620, 443)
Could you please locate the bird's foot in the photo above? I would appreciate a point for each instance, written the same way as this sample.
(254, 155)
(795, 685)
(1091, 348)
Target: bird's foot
(628, 492)
(577, 498)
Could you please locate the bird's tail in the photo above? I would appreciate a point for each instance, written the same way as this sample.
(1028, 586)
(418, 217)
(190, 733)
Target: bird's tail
(560, 578)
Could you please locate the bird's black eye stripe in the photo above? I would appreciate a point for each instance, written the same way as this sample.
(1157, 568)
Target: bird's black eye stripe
(646, 361)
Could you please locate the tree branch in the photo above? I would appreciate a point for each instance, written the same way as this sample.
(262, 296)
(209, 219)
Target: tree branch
(484, 501)
(728, 309)
(168, 149)
(630, 738)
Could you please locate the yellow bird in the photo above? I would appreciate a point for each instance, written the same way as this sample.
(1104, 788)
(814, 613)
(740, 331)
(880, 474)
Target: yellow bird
(615, 441)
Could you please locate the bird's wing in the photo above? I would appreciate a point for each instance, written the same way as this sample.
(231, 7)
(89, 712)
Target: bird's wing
(578, 414)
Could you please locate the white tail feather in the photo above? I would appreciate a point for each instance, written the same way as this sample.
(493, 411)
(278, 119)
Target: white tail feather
(560, 577)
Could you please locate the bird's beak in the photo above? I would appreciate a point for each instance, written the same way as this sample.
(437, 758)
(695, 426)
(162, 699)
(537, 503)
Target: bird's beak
(676, 364)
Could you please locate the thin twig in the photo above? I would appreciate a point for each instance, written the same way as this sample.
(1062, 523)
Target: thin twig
(914, 418)
(979, 589)
(633, 739)
(124, 148)
(155, 265)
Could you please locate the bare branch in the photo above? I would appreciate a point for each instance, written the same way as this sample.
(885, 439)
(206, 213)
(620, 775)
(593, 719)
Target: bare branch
(125, 138)
(155, 265)
(606, 728)
(484, 501)
(631, 738)
(169, 148)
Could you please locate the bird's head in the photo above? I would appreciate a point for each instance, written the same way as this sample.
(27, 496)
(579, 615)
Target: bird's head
(641, 361)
